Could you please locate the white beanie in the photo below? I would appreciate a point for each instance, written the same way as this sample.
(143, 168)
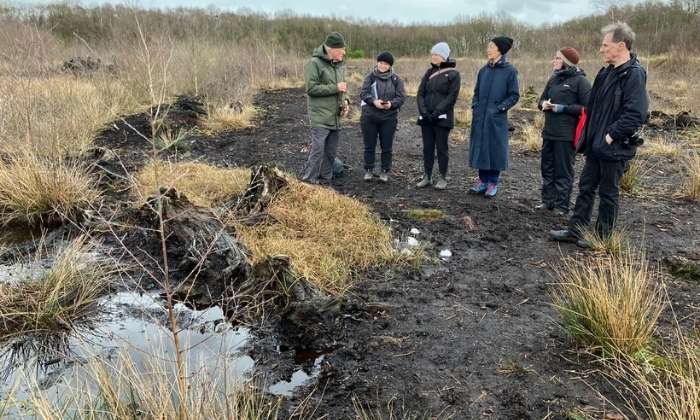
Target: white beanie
(441, 49)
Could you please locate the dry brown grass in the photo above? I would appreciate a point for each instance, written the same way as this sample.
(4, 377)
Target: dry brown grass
(531, 134)
(661, 146)
(665, 386)
(632, 178)
(227, 118)
(121, 388)
(691, 177)
(203, 184)
(609, 304)
(58, 115)
(36, 189)
(328, 237)
(615, 244)
(463, 117)
(55, 300)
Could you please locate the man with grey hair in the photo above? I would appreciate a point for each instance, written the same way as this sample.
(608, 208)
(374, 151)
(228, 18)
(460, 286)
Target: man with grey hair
(324, 77)
(617, 108)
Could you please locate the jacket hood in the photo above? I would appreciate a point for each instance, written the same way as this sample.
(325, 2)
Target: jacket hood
(502, 62)
(320, 52)
(632, 62)
(449, 63)
(569, 72)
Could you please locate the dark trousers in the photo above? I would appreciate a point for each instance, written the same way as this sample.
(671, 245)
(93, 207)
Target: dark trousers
(490, 176)
(385, 130)
(557, 173)
(324, 147)
(435, 137)
(604, 176)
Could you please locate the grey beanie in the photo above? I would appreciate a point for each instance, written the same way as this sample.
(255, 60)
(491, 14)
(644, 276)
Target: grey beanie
(441, 49)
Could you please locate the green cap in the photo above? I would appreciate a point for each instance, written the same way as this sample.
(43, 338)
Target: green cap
(335, 40)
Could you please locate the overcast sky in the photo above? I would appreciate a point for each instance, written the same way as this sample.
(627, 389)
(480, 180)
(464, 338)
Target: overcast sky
(404, 11)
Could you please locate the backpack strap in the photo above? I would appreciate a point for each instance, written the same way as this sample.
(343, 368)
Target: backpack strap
(441, 72)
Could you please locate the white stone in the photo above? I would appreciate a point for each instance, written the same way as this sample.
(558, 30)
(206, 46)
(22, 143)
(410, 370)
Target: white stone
(445, 253)
(415, 231)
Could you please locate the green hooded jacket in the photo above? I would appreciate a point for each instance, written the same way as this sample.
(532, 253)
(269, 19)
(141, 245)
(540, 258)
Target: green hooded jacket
(321, 77)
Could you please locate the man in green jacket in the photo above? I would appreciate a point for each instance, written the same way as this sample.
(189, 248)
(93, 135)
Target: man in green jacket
(324, 77)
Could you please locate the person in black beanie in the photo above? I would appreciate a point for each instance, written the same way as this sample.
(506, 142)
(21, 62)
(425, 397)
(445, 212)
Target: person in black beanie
(382, 95)
(437, 94)
(495, 92)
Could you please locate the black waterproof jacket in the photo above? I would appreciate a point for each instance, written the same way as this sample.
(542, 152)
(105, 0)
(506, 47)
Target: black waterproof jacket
(437, 95)
(568, 87)
(618, 106)
(389, 87)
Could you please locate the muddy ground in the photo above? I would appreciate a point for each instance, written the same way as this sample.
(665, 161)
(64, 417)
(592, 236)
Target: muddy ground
(472, 336)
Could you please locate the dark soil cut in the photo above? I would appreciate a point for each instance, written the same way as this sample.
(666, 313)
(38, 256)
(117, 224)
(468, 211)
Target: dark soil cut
(475, 335)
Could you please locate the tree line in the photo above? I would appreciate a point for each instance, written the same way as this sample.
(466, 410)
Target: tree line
(662, 27)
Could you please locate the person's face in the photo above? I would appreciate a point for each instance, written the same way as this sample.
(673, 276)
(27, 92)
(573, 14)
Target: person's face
(557, 63)
(336, 54)
(383, 66)
(611, 50)
(492, 52)
(436, 59)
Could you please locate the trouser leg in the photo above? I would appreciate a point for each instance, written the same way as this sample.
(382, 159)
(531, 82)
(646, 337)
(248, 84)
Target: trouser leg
(370, 130)
(387, 130)
(588, 184)
(312, 168)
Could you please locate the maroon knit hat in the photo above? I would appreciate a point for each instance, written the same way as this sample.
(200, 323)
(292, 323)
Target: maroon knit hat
(570, 55)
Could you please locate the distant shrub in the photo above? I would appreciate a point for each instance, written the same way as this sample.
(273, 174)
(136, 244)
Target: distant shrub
(356, 53)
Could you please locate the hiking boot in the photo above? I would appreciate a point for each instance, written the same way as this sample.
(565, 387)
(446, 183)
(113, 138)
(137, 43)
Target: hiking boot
(544, 206)
(582, 243)
(564, 235)
(368, 175)
(478, 188)
(426, 181)
(384, 176)
(491, 190)
(441, 183)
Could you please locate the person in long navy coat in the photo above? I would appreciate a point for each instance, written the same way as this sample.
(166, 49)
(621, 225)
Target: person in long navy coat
(496, 91)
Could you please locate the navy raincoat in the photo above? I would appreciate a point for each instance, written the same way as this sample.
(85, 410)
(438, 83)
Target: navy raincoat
(496, 91)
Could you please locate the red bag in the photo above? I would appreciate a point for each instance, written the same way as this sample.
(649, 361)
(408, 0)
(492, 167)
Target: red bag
(579, 129)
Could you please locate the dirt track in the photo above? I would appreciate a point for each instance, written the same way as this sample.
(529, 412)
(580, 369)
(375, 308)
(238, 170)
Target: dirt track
(474, 336)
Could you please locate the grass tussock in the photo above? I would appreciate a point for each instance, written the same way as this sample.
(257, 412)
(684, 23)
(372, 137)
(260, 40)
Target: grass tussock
(35, 189)
(665, 387)
(56, 299)
(426, 215)
(615, 244)
(632, 178)
(228, 118)
(58, 115)
(463, 117)
(661, 146)
(328, 237)
(275, 84)
(123, 389)
(531, 134)
(691, 184)
(203, 184)
(609, 304)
